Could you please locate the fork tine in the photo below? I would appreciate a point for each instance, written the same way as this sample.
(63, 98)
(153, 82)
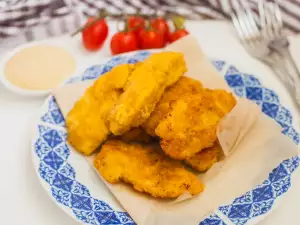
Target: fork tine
(252, 25)
(275, 26)
(246, 27)
(278, 14)
(261, 12)
(270, 17)
(271, 25)
(244, 23)
(237, 26)
(278, 18)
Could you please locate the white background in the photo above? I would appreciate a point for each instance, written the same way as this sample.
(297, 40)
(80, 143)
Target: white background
(23, 200)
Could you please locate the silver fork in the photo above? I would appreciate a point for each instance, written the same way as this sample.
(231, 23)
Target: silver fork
(272, 24)
(267, 44)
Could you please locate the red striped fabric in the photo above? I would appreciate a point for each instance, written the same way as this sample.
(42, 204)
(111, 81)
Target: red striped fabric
(39, 19)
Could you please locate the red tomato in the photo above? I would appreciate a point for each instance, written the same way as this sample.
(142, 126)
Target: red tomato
(178, 34)
(161, 25)
(136, 24)
(151, 39)
(94, 36)
(123, 42)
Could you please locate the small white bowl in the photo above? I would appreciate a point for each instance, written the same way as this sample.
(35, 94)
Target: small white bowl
(64, 42)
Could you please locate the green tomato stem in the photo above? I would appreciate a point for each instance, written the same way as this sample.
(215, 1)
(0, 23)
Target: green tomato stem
(102, 15)
(178, 22)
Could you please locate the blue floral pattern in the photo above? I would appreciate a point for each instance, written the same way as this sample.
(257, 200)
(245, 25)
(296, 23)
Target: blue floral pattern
(54, 168)
(213, 220)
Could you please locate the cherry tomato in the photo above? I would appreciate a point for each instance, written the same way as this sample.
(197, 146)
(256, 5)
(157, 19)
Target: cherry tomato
(178, 34)
(93, 37)
(124, 41)
(151, 39)
(161, 25)
(136, 24)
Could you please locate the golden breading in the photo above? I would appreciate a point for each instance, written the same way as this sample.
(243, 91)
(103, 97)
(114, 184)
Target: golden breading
(146, 169)
(224, 101)
(204, 159)
(191, 124)
(136, 134)
(144, 89)
(86, 122)
(182, 86)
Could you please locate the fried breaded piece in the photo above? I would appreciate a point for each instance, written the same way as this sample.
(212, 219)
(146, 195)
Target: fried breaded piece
(144, 89)
(206, 158)
(86, 122)
(146, 169)
(191, 124)
(224, 101)
(136, 134)
(183, 86)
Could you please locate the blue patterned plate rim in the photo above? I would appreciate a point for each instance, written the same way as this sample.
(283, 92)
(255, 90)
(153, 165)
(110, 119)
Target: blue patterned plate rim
(51, 155)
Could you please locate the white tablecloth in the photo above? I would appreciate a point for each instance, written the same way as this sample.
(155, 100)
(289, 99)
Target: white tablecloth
(23, 200)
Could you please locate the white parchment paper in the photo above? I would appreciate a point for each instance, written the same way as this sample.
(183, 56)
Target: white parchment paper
(252, 142)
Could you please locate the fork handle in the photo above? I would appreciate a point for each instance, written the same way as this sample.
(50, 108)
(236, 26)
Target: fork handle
(290, 74)
(292, 84)
(294, 74)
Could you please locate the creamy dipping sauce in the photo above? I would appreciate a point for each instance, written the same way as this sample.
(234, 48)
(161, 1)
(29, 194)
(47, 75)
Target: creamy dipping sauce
(39, 67)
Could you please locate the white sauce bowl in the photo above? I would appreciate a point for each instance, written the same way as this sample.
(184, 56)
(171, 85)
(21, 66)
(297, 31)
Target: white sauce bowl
(65, 42)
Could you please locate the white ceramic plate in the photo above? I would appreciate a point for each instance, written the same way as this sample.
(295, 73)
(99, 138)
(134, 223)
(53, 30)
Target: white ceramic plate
(75, 187)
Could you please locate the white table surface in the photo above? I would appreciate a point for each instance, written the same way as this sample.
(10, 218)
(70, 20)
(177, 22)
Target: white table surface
(23, 200)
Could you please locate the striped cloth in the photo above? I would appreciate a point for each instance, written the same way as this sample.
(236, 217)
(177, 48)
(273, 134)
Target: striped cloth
(28, 20)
